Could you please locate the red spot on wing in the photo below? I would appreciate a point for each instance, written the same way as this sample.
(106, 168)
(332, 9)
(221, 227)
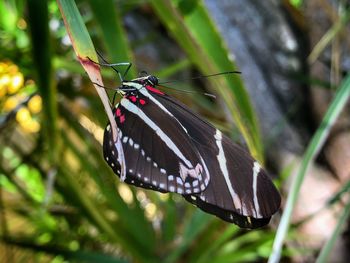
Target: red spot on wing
(133, 98)
(117, 112)
(122, 118)
(154, 90)
(142, 101)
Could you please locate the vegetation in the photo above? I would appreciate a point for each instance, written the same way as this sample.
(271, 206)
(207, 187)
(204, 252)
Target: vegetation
(59, 200)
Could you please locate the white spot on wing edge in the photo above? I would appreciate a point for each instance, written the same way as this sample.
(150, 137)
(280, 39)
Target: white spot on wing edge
(256, 170)
(223, 166)
(116, 140)
(179, 181)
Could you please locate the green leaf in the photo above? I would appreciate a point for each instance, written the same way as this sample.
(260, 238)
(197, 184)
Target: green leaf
(78, 256)
(194, 226)
(323, 256)
(115, 38)
(316, 143)
(131, 219)
(190, 25)
(38, 19)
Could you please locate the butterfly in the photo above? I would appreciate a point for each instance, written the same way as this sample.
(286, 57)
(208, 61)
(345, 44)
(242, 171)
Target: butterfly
(169, 148)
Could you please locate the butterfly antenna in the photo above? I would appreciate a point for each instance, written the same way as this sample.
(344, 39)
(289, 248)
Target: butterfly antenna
(190, 91)
(205, 76)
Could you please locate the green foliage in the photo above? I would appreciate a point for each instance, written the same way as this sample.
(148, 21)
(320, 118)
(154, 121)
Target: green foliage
(59, 201)
(312, 150)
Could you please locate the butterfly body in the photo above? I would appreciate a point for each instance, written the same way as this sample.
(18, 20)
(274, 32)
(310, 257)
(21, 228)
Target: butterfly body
(169, 148)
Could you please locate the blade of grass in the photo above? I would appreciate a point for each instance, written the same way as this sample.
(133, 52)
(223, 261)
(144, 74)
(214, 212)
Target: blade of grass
(329, 36)
(131, 220)
(323, 256)
(312, 150)
(77, 256)
(38, 19)
(345, 188)
(73, 67)
(250, 246)
(96, 215)
(194, 226)
(192, 28)
(109, 19)
(85, 52)
(210, 250)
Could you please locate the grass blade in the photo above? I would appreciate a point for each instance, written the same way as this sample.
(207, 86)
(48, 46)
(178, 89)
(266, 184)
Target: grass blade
(323, 256)
(312, 150)
(38, 18)
(77, 256)
(113, 33)
(193, 30)
(85, 52)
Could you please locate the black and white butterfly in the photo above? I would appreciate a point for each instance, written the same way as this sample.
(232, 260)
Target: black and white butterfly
(169, 148)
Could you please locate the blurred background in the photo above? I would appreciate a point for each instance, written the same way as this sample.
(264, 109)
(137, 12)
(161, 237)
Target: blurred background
(59, 200)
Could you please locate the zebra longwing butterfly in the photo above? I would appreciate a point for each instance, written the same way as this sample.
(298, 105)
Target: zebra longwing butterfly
(169, 148)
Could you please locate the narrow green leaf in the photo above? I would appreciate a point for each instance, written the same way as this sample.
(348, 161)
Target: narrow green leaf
(87, 56)
(38, 19)
(316, 143)
(323, 256)
(169, 221)
(115, 38)
(344, 189)
(217, 243)
(97, 216)
(329, 36)
(192, 28)
(77, 31)
(79, 255)
(194, 226)
(131, 218)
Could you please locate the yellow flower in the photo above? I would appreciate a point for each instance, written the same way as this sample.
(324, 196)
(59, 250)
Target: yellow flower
(30, 126)
(10, 103)
(16, 83)
(3, 67)
(5, 80)
(23, 115)
(35, 104)
(12, 68)
(3, 91)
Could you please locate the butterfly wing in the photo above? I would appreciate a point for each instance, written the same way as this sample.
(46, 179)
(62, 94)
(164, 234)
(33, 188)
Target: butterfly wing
(239, 191)
(158, 152)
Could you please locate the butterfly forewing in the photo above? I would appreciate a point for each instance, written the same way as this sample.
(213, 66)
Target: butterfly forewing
(158, 152)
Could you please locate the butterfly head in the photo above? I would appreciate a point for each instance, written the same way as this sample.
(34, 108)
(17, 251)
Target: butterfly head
(146, 80)
(149, 82)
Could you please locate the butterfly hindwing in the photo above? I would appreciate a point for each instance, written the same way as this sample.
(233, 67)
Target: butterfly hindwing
(239, 191)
